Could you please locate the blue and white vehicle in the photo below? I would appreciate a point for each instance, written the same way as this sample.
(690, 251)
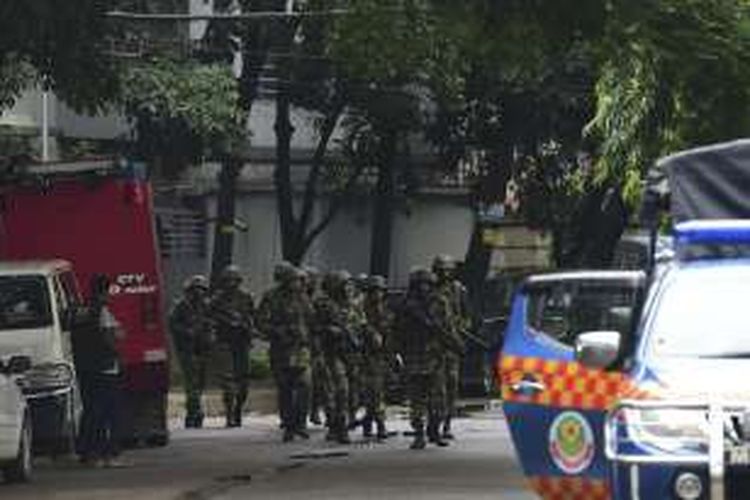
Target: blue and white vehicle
(626, 387)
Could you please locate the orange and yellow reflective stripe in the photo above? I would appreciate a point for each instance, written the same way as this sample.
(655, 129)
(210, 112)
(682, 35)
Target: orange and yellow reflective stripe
(568, 384)
(570, 488)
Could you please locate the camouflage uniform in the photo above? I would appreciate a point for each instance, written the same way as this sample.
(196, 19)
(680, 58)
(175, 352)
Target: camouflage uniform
(286, 314)
(455, 294)
(281, 275)
(319, 371)
(332, 322)
(233, 312)
(357, 322)
(379, 324)
(193, 336)
(424, 327)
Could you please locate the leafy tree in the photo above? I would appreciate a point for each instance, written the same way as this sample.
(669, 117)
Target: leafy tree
(252, 42)
(673, 74)
(181, 112)
(60, 45)
(399, 54)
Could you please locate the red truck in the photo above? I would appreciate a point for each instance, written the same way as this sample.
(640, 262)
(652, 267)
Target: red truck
(99, 216)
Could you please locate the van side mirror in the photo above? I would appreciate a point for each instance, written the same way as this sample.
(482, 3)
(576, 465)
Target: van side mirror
(18, 365)
(598, 349)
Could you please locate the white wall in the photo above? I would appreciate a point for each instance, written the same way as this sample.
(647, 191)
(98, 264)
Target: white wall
(436, 224)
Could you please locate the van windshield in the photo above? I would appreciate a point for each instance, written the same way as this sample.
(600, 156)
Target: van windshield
(702, 315)
(24, 303)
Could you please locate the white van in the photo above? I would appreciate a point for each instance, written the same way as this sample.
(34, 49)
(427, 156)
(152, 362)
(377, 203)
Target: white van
(38, 300)
(15, 421)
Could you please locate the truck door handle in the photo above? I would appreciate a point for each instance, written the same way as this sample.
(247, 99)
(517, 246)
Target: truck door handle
(528, 387)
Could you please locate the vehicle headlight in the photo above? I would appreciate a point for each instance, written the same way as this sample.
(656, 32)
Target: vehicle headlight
(48, 376)
(668, 429)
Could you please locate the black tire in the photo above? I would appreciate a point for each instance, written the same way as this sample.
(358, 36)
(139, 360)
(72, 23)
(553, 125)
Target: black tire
(20, 470)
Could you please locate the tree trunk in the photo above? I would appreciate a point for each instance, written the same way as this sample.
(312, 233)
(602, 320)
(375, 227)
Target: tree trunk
(478, 255)
(283, 179)
(382, 225)
(476, 264)
(225, 216)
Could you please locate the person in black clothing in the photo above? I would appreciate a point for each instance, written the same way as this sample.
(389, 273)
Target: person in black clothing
(99, 373)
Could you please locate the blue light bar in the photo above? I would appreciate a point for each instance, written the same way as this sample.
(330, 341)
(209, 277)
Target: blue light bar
(719, 231)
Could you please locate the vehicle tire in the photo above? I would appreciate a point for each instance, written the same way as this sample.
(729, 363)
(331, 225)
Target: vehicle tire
(20, 470)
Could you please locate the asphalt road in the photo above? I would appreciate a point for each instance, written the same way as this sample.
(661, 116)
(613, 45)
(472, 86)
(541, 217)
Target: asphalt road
(219, 464)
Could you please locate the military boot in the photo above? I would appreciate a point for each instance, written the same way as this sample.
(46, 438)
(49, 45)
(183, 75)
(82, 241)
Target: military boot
(229, 411)
(194, 421)
(367, 428)
(190, 422)
(433, 433)
(237, 416)
(288, 435)
(419, 442)
(239, 405)
(447, 434)
(382, 432)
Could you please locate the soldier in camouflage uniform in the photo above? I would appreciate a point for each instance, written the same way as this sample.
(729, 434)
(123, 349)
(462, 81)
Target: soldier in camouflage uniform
(281, 275)
(233, 313)
(318, 362)
(333, 324)
(379, 324)
(288, 314)
(193, 336)
(454, 293)
(357, 322)
(425, 331)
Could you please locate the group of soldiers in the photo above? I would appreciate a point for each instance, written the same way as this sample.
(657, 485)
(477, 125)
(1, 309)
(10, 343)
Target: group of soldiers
(333, 341)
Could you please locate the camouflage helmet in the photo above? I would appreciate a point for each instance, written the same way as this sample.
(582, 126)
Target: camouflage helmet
(377, 283)
(421, 275)
(197, 281)
(362, 280)
(282, 271)
(443, 263)
(312, 272)
(335, 280)
(298, 273)
(231, 273)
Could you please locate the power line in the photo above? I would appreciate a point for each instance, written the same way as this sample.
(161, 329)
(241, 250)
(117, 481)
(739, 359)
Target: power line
(261, 15)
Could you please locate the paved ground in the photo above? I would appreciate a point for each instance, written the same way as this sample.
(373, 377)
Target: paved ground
(219, 464)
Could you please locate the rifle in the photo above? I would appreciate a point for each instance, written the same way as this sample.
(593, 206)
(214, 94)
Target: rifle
(469, 335)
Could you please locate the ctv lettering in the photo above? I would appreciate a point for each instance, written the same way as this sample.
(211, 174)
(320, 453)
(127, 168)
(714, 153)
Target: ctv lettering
(131, 279)
(131, 284)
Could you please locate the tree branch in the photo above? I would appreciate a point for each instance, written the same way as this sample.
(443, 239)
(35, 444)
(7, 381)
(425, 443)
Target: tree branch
(333, 208)
(311, 187)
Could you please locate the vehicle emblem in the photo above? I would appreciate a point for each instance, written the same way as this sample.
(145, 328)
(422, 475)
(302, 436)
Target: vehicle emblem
(571, 443)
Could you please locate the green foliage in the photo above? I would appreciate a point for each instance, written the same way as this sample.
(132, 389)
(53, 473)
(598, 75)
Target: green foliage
(673, 75)
(386, 43)
(205, 96)
(59, 44)
(183, 109)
